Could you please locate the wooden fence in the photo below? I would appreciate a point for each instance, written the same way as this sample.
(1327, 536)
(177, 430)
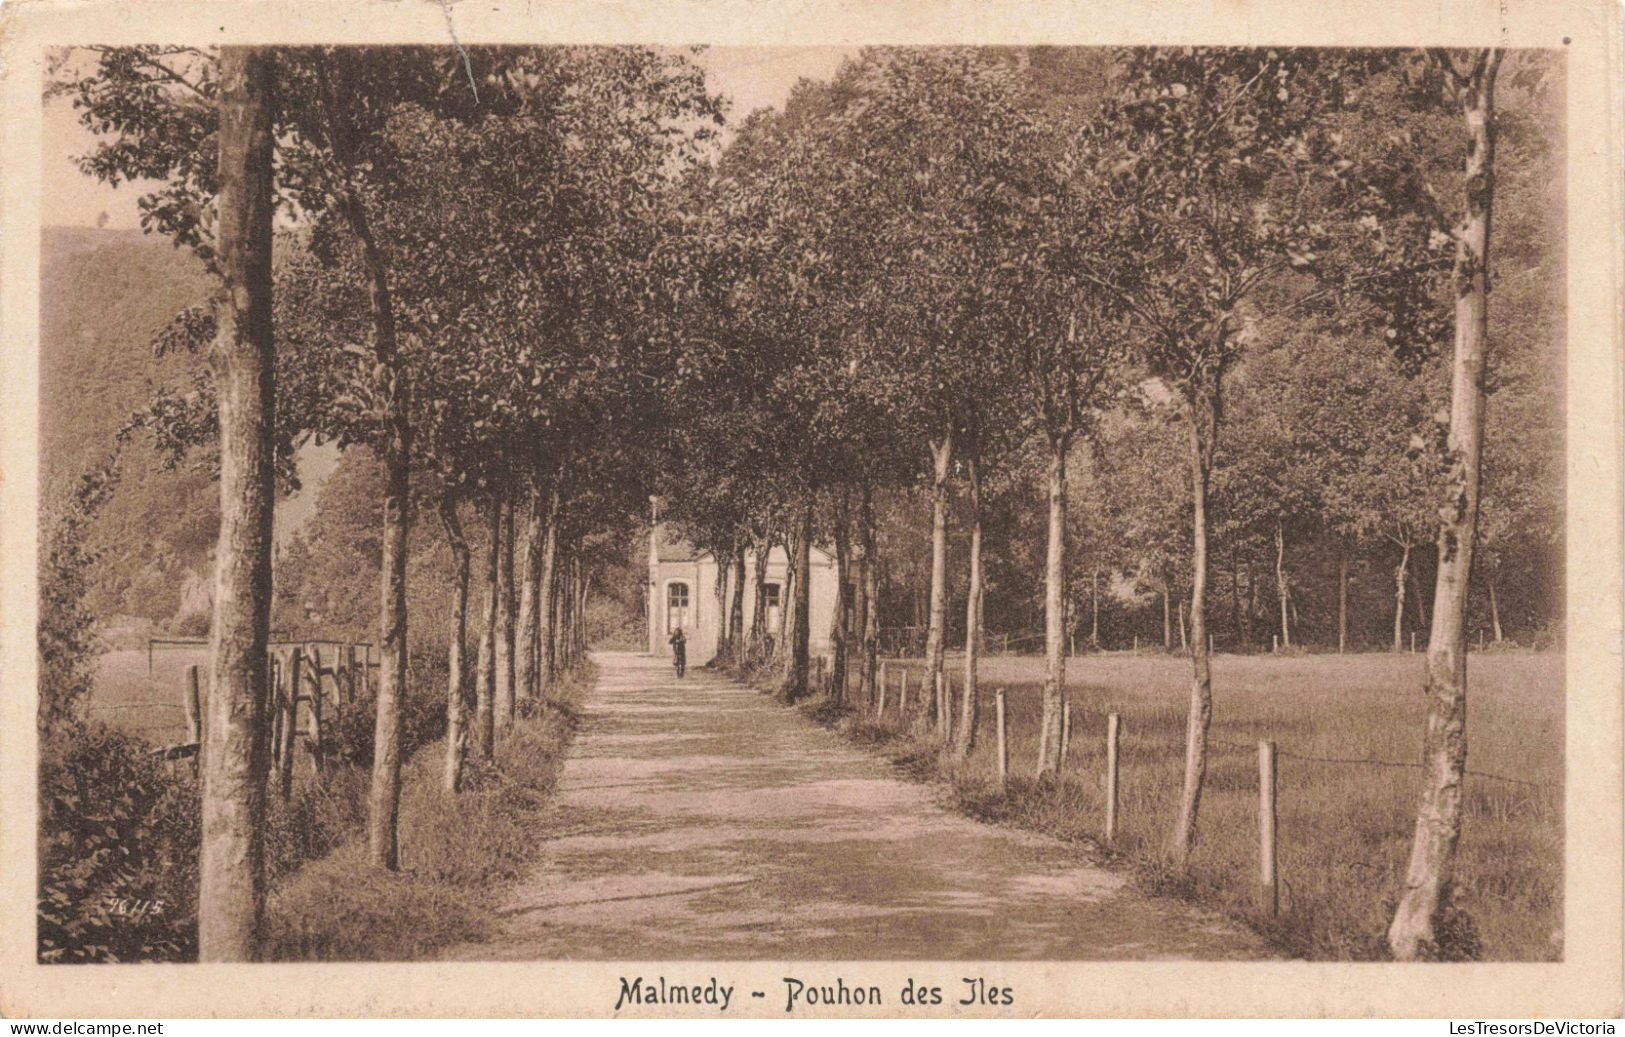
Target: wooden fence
(308, 680)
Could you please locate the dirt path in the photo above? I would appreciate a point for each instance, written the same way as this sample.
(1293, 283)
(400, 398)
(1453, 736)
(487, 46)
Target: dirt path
(698, 819)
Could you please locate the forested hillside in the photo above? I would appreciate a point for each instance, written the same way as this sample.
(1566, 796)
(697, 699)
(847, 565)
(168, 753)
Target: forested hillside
(103, 296)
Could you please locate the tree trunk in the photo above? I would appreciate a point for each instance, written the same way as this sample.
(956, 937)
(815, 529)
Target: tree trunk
(1401, 571)
(871, 596)
(1235, 598)
(1416, 598)
(384, 802)
(1094, 605)
(1167, 621)
(503, 702)
(1444, 752)
(457, 682)
(1342, 601)
(787, 606)
(555, 609)
(839, 626)
(801, 628)
(736, 612)
(547, 595)
(567, 611)
(720, 589)
(942, 456)
(1251, 610)
(236, 749)
(393, 388)
(1203, 428)
(485, 677)
(1495, 610)
(1049, 733)
(965, 731)
(758, 608)
(528, 648)
(580, 608)
(560, 628)
(1281, 590)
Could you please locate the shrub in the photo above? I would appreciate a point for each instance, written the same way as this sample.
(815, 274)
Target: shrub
(348, 735)
(67, 635)
(118, 851)
(314, 821)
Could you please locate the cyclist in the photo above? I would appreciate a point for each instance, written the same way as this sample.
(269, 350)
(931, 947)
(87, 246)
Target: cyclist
(679, 650)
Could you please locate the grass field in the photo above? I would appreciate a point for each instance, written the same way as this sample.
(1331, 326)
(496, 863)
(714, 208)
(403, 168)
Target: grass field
(127, 698)
(1344, 828)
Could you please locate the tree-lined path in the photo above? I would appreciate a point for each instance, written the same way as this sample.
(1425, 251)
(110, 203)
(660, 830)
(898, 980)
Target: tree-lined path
(697, 818)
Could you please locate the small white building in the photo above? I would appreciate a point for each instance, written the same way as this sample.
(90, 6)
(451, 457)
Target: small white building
(682, 592)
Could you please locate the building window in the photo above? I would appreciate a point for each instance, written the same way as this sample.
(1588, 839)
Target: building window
(772, 600)
(676, 606)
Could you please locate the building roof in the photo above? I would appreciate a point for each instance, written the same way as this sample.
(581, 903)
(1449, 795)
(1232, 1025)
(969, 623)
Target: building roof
(671, 546)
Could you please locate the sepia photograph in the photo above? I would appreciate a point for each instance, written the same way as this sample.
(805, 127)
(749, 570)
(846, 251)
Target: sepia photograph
(807, 504)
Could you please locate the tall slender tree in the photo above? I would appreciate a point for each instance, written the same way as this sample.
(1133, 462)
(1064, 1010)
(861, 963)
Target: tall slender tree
(236, 742)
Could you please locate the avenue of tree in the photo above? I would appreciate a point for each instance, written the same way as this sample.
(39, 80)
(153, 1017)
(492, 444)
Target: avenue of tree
(1184, 306)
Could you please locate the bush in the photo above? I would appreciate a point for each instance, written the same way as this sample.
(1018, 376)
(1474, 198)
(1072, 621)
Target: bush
(348, 735)
(118, 851)
(67, 636)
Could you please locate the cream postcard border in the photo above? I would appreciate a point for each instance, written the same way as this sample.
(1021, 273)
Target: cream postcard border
(1586, 984)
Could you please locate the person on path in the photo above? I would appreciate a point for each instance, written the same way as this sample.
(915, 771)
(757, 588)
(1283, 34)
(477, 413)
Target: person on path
(679, 650)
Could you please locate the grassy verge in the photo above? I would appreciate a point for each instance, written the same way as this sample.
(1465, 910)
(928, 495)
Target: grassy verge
(1344, 828)
(458, 853)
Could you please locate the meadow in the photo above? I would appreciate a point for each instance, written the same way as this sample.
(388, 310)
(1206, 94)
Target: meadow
(1344, 827)
(127, 697)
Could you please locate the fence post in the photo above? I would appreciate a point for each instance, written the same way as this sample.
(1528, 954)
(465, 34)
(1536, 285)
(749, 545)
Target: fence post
(880, 695)
(1275, 643)
(1269, 900)
(343, 674)
(1066, 731)
(1114, 727)
(192, 700)
(316, 710)
(1003, 746)
(290, 720)
(1136, 644)
(902, 701)
(149, 658)
(1413, 642)
(274, 713)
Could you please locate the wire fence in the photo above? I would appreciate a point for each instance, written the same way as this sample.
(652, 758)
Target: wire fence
(934, 709)
(1373, 762)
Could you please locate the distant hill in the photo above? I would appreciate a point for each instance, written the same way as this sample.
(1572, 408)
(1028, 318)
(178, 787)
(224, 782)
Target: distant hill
(103, 295)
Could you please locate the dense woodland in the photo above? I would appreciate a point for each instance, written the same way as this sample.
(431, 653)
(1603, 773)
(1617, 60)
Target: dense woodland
(1080, 346)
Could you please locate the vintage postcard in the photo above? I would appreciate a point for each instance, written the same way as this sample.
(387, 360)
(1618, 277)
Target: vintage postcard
(832, 509)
